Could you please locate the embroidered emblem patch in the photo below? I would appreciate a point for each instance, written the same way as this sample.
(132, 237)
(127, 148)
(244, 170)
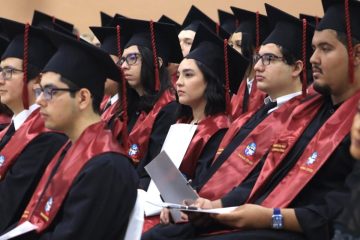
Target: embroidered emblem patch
(2, 160)
(134, 151)
(250, 149)
(48, 205)
(312, 158)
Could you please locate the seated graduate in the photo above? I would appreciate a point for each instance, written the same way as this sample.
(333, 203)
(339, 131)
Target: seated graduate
(90, 187)
(26, 146)
(251, 31)
(151, 101)
(246, 144)
(203, 81)
(347, 225)
(301, 188)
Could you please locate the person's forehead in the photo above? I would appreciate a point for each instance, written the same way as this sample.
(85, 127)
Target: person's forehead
(131, 49)
(186, 34)
(51, 78)
(269, 48)
(187, 64)
(324, 36)
(14, 62)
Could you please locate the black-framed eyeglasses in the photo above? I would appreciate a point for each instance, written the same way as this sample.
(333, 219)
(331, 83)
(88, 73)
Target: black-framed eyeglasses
(267, 58)
(7, 72)
(130, 59)
(50, 91)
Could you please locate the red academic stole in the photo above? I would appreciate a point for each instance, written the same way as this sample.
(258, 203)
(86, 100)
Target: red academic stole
(105, 99)
(205, 130)
(5, 119)
(256, 99)
(30, 129)
(249, 153)
(140, 134)
(110, 112)
(319, 149)
(45, 203)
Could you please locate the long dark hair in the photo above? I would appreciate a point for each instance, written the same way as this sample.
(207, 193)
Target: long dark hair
(147, 80)
(214, 95)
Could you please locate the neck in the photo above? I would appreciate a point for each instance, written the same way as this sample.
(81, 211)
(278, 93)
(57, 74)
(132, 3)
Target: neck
(198, 112)
(18, 107)
(79, 125)
(291, 89)
(348, 92)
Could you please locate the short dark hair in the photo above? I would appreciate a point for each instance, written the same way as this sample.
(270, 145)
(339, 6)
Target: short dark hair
(96, 100)
(343, 39)
(214, 94)
(247, 50)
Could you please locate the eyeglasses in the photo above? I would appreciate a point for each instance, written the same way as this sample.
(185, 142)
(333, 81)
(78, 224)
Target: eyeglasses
(130, 59)
(49, 92)
(7, 72)
(267, 58)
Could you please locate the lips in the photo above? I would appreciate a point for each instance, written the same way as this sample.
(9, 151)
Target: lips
(259, 78)
(180, 93)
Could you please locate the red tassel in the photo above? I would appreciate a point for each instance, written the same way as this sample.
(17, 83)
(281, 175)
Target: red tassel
(304, 72)
(349, 40)
(124, 132)
(257, 31)
(156, 64)
(227, 80)
(316, 21)
(25, 94)
(217, 29)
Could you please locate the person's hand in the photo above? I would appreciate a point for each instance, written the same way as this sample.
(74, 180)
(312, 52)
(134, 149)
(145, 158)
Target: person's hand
(201, 219)
(246, 216)
(165, 216)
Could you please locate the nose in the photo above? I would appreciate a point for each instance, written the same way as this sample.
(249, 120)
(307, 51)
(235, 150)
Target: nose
(40, 100)
(314, 59)
(259, 66)
(179, 81)
(124, 65)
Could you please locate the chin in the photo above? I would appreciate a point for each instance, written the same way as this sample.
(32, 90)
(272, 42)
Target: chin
(323, 89)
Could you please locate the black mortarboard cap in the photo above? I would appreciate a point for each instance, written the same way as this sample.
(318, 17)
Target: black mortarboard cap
(282, 22)
(208, 49)
(166, 19)
(247, 25)
(4, 40)
(106, 19)
(108, 39)
(137, 32)
(227, 21)
(313, 20)
(83, 64)
(40, 47)
(45, 20)
(195, 17)
(334, 17)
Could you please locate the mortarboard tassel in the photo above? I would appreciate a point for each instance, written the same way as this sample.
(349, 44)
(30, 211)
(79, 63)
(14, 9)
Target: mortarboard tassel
(123, 93)
(304, 72)
(156, 63)
(217, 29)
(227, 84)
(257, 31)
(25, 94)
(349, 40)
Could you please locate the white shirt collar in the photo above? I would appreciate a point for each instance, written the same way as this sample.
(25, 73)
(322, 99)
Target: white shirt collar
(281, 100)
(20, 118)
(114, 98)
(249, 83)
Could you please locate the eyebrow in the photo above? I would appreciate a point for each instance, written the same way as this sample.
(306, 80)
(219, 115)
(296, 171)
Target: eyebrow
(321, 44)
(48, 86)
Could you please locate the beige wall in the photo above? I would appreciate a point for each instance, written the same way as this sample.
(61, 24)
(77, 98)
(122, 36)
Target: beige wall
(84, 13)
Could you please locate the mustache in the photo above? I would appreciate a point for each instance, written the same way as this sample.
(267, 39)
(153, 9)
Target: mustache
(317, 68)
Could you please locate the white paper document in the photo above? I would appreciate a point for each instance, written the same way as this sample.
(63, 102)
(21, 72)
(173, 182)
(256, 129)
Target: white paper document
(176, 144)
(185, 208)
(23, 228)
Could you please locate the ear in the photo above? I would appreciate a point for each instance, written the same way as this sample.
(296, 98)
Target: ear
(160, 62)
(84, 98)
(356, 49)
(297, 68)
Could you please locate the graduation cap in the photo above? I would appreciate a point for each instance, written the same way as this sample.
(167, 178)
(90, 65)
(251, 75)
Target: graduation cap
(108, 39)
(106, 19)
(43, 19)
(29, 44)
(253, 26)
(298, 36)
(81, 63)
(342, 16)
(166, 19)
(314, 20)
(217, 55)
(195, 17)
(227, 21)
(4, 40)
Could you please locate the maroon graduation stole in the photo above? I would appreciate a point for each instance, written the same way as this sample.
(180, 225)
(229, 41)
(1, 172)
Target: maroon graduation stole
(249, 153)
(205, 130)
(110, 111)
(256, 99)
(45, 203)
(319, 149)
(30, 129)
(5, 119)
(104, 101)
(140, 134)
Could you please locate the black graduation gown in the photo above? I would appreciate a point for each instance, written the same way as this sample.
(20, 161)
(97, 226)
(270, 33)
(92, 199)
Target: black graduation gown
(165, 118)
(98, 204)
(22, 178)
